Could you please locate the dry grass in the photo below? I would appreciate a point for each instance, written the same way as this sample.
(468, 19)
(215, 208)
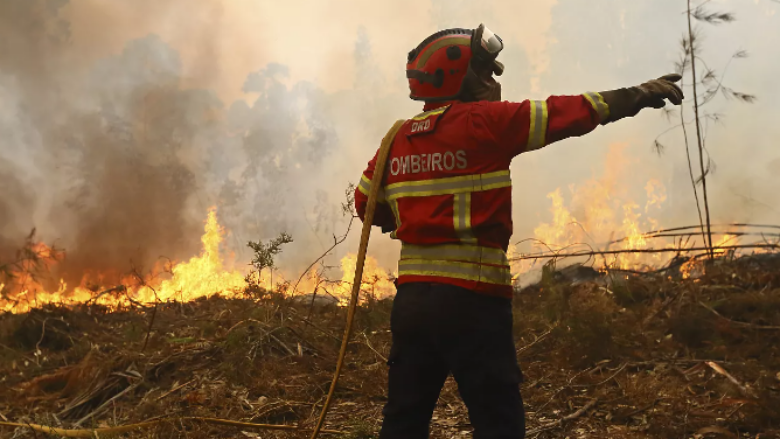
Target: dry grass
(638, 344)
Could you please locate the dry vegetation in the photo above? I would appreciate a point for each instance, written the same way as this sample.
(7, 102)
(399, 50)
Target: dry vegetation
(603, 356)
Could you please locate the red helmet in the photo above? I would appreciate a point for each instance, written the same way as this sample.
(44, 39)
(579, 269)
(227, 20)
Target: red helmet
(437, 66)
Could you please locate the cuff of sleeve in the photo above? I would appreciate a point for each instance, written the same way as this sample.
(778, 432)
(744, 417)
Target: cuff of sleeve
(599, 105)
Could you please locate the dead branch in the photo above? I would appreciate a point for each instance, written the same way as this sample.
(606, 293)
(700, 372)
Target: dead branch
(643, 250)
(368, 343)
(108, 402)
(619, 369)
(174, 389)
(116, 289)
(281, 343)
(559, 422)
(743, 324)
(43, 334)
(538, 339)
(241, 323)
(336, 242)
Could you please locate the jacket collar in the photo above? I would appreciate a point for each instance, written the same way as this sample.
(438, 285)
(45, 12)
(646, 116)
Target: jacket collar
(434, 105)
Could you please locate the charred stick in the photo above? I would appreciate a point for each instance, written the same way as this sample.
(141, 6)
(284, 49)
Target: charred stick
(644, 250)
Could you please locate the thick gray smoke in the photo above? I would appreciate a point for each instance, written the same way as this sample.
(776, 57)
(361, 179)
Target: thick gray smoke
(118, 161)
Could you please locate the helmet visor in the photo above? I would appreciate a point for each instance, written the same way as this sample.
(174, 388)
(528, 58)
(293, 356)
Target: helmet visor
(491, 42)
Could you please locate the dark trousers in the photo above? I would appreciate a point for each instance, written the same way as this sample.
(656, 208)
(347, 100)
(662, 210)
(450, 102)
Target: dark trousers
(440, 329)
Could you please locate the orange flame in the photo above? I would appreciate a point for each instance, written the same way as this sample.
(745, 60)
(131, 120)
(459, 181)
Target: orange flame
(202, 275)
(604, 211)
(376, 281)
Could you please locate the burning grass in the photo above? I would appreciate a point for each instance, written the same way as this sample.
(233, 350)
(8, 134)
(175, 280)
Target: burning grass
(649, 355)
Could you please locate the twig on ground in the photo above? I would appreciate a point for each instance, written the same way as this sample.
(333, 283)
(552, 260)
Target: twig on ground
(315, 326)
(241, 323)
(619, 369)
(173, 390)
(368, 343)
(541, 337)
(149, 329)
(717, 368)
(105, 405)
(281, 343)
(43, 334)
(743, 324)
(566, 418)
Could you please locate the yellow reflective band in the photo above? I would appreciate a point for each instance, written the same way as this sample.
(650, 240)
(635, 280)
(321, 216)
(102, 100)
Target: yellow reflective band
(451, 41)
(537, 132)
(455, 270)
(449, 186)
(427, 114)
(462, 218)
(455, 252)
(365, 186)
(598, 104)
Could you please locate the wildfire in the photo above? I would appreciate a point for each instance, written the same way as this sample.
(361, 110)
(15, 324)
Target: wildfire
(203, 275)
(376, 281)
(601, 215)
(604, 211)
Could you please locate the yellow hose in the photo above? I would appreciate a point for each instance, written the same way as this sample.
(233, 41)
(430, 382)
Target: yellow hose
(376, 183)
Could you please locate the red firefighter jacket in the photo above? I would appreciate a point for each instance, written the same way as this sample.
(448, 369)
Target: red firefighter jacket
(447, 192)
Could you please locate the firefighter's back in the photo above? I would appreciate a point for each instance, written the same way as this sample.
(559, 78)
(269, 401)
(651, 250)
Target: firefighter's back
(449, 188)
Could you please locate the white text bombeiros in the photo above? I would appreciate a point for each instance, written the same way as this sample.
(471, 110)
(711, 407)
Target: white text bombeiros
(416, 163)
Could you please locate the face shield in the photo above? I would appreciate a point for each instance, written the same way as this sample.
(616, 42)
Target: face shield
(485, 47)
(478, 83)
(490, 43)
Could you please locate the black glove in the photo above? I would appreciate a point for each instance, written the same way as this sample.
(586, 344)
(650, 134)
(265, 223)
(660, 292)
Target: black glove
(627, 102)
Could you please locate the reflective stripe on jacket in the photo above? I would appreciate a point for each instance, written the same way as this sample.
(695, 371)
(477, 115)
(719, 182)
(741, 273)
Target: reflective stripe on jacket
(447, 191)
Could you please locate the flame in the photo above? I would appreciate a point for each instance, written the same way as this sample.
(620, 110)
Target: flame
(201, 276)
(599, 211)
(376, 281)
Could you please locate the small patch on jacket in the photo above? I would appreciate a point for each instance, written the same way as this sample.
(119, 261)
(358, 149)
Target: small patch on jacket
(425, 122)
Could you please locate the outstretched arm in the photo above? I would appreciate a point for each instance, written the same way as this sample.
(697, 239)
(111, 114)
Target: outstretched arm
(530, 125)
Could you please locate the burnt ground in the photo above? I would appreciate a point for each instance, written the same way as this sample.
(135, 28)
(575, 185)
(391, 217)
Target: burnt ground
(614, 356)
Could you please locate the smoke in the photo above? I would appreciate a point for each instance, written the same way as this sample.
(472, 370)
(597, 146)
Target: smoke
(121, 122)
(118, 160)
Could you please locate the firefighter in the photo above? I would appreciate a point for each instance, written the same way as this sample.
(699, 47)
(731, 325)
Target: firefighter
(446, 195)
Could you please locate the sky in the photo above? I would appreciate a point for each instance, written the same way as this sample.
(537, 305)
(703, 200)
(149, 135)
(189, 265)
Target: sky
(122, 121)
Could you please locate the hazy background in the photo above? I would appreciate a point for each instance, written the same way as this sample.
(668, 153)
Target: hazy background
(122, 121)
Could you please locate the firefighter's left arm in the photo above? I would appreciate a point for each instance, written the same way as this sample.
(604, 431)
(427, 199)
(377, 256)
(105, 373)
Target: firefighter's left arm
(383, 216)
